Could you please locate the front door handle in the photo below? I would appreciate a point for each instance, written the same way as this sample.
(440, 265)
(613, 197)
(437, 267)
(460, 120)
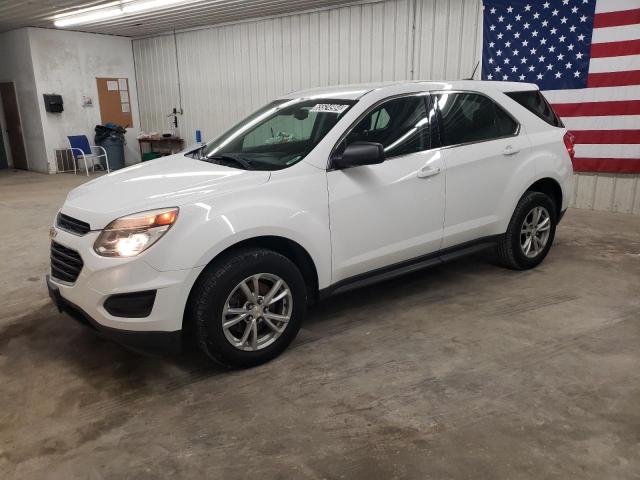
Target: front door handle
(510, 150)
(428, 171)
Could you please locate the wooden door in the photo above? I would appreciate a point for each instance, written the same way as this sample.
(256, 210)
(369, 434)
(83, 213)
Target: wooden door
(13, 125)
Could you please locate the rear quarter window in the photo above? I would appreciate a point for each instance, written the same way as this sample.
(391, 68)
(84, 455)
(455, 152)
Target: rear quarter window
(471, 117)
(535, 102)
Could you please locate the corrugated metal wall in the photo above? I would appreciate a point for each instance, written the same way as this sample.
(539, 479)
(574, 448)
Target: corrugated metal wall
(220, 74)
(608, 192)
(230, 70)
(157, 81)
(448, 37)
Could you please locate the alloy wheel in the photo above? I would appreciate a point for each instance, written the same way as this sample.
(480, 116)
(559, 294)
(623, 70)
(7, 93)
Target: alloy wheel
(534, 233)
(257, 312)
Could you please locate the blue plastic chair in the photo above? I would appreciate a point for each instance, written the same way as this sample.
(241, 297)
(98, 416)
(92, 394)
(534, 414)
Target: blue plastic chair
(80, 149)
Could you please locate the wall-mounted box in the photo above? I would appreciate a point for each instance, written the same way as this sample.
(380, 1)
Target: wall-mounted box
(53, 103)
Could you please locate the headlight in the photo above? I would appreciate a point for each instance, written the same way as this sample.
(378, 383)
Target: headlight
(128, 236)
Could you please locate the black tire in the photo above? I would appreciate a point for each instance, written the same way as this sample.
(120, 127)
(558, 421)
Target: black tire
(510, 252)
(210, 295)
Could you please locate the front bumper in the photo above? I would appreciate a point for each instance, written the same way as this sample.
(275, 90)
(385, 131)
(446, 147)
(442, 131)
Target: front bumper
(156, 328)
(145, 341)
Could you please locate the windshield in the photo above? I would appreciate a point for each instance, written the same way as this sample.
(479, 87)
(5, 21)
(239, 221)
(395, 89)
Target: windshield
(277, 136)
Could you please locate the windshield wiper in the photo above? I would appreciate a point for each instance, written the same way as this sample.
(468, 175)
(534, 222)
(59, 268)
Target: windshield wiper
(231, 159)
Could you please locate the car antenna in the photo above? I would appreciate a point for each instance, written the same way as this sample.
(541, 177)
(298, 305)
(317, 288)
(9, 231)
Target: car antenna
(474, 72)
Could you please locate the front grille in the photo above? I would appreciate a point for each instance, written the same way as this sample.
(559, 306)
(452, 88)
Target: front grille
(72, 225)
(65, 263)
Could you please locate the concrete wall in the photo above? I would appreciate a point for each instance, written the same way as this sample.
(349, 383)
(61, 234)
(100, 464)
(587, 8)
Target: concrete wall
(16, 66)
(67, 63)
(43, 61)
(221, 73)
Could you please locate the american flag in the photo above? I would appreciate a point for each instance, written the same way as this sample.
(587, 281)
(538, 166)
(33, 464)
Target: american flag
(585, 56)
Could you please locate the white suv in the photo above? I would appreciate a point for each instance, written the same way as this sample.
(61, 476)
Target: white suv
(318, 192)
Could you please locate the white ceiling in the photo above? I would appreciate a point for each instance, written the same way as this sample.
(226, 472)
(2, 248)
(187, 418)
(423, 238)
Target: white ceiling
(190, 13)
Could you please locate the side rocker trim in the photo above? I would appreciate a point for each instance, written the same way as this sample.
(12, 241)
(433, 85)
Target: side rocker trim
(408, 266)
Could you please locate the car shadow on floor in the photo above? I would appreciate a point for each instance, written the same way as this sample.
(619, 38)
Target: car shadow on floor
(45, 337)
(431, 284)
(37, 341)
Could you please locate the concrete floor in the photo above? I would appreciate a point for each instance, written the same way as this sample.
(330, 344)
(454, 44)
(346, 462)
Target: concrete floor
(464, 371)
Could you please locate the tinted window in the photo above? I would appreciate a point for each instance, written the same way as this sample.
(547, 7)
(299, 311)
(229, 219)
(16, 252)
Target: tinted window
(276, 136)
(535, 102)
(469, 117)
(401, 125)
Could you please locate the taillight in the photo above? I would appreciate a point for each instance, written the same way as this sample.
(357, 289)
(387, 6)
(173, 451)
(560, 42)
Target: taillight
(569, 140)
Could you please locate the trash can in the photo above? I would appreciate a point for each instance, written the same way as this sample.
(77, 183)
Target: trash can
(111, 137)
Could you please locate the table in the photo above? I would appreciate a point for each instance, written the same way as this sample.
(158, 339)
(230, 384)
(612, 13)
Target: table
(164, 145)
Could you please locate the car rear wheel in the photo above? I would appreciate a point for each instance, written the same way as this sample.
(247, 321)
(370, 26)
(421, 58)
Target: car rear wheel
(248, 306)
(530, 233)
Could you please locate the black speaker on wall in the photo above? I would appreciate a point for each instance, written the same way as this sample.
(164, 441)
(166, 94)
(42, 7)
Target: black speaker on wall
(53, 103)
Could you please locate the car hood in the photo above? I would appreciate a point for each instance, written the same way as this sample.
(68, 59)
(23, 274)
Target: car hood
(166, 182)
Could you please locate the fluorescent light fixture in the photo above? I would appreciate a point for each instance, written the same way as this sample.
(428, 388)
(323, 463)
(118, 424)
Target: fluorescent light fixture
(88, 17)
(109, 10)
(135, 7)
(117, 3)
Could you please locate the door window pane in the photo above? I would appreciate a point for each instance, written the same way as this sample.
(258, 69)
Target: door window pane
(401, 125)
(468, 117)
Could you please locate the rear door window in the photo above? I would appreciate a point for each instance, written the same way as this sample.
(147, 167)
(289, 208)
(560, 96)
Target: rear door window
(470, 117)
(535, 102)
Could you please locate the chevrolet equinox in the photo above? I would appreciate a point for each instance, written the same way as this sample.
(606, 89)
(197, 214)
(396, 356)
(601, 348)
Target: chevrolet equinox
(318, 192)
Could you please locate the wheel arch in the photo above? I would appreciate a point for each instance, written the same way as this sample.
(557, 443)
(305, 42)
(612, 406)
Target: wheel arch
(287, 247)
(550, 187)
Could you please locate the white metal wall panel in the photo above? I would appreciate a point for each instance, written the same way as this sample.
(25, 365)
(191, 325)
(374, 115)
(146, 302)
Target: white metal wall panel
(447, 38)
(157, 81)
(609, 192)
(228, 71)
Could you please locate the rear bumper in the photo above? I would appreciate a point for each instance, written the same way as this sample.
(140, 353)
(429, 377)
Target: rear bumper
(156, 342)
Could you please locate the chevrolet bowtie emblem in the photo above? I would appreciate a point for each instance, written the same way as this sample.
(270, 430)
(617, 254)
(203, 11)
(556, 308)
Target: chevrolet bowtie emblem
(52, 233)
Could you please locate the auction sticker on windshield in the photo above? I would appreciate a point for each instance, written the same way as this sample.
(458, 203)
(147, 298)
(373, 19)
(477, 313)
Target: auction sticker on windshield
(329, 108)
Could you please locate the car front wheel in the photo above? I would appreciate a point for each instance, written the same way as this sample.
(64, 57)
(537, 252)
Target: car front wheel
(248, 306)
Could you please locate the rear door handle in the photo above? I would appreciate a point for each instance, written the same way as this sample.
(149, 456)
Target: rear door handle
(428, 171)
(510, 150)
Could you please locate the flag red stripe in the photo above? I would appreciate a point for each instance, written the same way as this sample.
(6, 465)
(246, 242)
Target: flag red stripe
(614, 79)
(607, 165)
(607, 136)
(615, 49)
(616, 19)
(598, 109)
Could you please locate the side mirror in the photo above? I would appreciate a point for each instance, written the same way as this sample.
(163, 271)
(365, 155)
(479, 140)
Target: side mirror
(359, 153)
